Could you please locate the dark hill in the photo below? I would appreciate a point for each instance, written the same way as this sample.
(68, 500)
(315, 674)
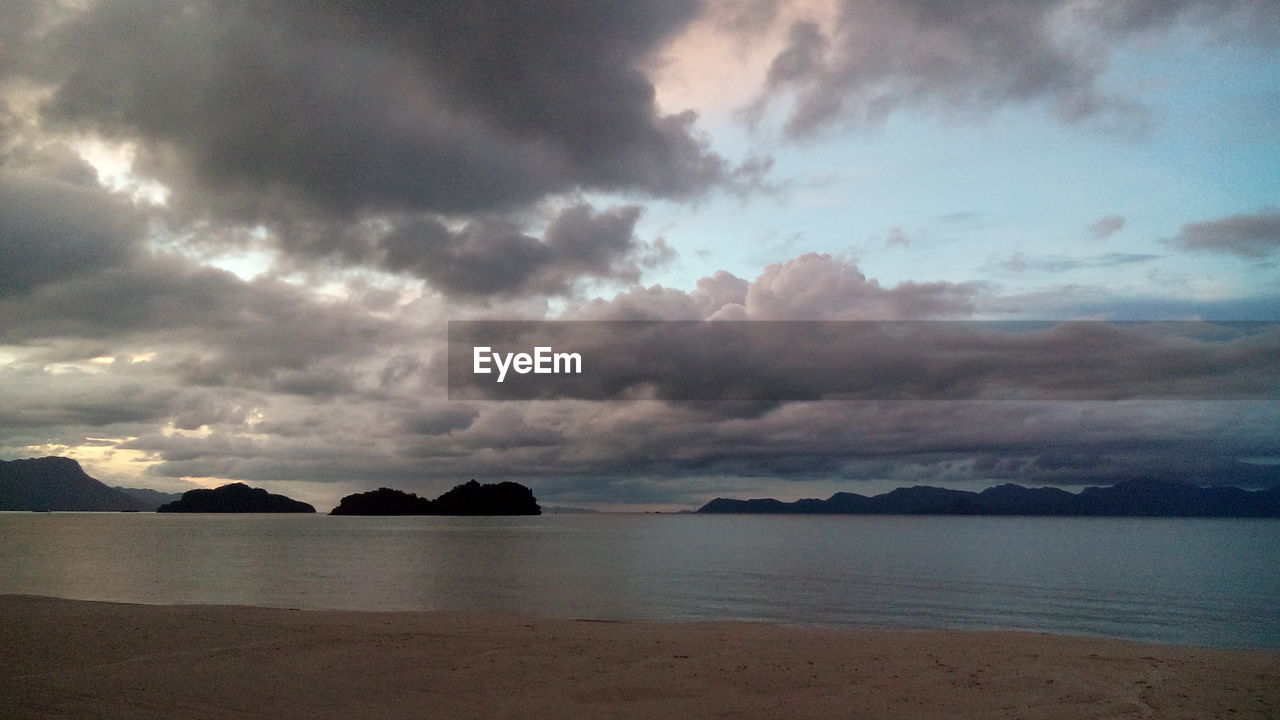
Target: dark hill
(58, 484)
(1137, 498)
(924, 500)
(383, 501)
(1013, 499)
(471, 498)
(235, 498)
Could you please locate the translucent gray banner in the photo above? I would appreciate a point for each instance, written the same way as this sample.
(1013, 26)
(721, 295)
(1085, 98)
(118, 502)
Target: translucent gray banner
(928, 360)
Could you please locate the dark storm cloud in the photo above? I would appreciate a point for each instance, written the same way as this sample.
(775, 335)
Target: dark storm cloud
(840, 443)
(33, 400)
(20, 17)
(357, 133)
(312, 382)
(1252, 237)
(56, 221)
(967, 56)
(264, 110)
(488, 258)
(780, 361)
(441, 421)
(211, 327)
(64, 404)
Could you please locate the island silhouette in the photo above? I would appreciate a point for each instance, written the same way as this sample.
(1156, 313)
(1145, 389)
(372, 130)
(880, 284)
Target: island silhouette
(234, 498)
(470, 498)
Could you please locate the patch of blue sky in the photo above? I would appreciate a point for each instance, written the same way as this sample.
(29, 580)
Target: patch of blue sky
(926, 198)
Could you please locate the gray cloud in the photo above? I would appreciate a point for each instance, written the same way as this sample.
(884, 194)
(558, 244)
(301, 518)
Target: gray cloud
(22, 19)
(1251, 20)
(488, 258)
(1253, 237)
(881, 56)
(772, 361)
(56, 221)
(897, 236)
(819, 287)
(263, 109)
(812, 286)
(1020, 262)
(356, 134)
(40, 400)
(338, 394)
(841, 443)
(652, 452)
(1106, 226)
(210, 327)
(442, 420)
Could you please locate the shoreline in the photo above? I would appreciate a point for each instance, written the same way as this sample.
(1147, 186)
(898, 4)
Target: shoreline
(88, 658)
(794, 624)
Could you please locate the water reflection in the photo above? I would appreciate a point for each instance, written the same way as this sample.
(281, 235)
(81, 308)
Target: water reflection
(1176, 580)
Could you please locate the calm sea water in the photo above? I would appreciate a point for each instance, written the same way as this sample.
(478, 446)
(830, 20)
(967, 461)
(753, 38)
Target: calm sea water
(1189, 581)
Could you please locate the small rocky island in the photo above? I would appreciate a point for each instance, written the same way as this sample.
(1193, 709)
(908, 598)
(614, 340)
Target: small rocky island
(235, 498)
(471, 498)
(383, 501)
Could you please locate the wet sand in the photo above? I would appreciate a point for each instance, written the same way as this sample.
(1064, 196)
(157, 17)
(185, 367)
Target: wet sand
(74, 659)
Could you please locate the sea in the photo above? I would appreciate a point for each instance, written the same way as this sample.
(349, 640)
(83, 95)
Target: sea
(1210, 582)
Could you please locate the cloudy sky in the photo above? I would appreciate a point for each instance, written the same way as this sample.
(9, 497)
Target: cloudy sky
(232, 233)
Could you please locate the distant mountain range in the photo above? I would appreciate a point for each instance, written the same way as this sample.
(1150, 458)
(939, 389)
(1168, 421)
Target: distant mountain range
(1137, 498)
(152, 498)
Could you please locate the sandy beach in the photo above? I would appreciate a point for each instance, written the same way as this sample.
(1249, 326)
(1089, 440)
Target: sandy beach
(75, 659)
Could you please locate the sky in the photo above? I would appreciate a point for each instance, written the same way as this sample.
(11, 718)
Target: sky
(232, 233)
